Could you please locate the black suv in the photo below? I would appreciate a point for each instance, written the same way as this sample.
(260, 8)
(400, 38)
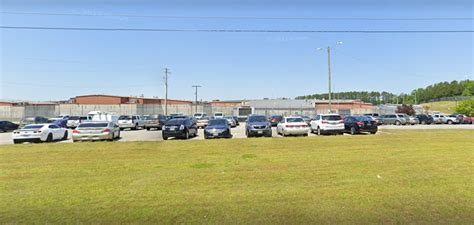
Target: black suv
(425, 119)
(179, 128)
(258, 125)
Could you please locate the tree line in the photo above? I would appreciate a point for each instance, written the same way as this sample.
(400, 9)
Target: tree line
(421, 95)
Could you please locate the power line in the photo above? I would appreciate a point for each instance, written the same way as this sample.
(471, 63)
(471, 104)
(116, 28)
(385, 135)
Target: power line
(230, 30)
(240, 17)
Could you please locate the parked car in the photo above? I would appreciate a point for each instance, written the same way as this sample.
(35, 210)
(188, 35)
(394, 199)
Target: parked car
(96, 131)
(468, 119)
(100, 116)
(217, 128)
(306, 119)
(394, 119)
(258, 125)
(133, 122)
(275, 119)
(236, 118)
(444, 119)
(154, 121)
(376, 117)
(203, 122)
(459, 118)
(231, 121)
(6, 126)
(58, 122)
(327, 123)
(74, 121)
(179, 128)
(292, 126)
(359, 124)
(424, 119)
(199, 115)
(33, 120)
(39, 133)
(412, 120)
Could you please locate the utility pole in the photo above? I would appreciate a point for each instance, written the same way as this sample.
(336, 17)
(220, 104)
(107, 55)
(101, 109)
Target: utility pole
(329, 76)
(196, 94)
(167, 72)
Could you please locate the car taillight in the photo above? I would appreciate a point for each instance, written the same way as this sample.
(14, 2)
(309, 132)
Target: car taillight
(76, 132)
(290, 125)
(305, 125)
(106, 130)
(324, 121)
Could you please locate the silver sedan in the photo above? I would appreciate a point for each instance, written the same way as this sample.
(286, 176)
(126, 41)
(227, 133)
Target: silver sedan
(96, 131)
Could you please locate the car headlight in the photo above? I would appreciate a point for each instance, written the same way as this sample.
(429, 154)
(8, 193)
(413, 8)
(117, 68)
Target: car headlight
(181, 127)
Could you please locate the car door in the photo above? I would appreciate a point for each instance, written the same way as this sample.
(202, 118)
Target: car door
(53, 129)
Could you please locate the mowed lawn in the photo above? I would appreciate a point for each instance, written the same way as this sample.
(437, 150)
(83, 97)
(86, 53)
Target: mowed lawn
(444, 106)
(419, 177)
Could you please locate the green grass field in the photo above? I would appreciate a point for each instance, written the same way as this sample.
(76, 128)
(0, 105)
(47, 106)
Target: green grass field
(444, 107)
(397, 177)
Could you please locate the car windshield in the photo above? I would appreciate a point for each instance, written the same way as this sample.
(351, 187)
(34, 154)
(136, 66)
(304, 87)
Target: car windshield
(125, 118)
(254, 119)
(332, 117)
(174, 122)
(33, 127)
(152, 117)
(93, 125)
(74, 118)
(294, 120)
(217, 123)
(362, 118)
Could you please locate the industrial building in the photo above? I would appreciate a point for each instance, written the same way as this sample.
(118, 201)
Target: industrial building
(126, 105)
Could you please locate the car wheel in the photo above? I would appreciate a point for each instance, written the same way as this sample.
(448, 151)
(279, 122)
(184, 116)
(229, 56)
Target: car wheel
(305, 134)
(373, 132)
(148, 129)
(65, 136)
(165, 138)
(186, 135)
(247, 133)
(16, 142)
(353, 131)
(49, 138)
(397, 123)
(318, 131)
(450, 122)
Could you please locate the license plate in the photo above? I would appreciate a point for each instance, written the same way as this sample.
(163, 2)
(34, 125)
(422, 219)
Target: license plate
(260, 132)
(25, 135)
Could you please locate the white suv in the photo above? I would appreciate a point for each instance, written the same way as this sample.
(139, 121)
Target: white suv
(327, 123)
(133, 122)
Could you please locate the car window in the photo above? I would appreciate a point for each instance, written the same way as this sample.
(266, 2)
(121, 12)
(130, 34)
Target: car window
(125, 118)
(332, 117)
(53, 127)
(294, 120)
(92, 125)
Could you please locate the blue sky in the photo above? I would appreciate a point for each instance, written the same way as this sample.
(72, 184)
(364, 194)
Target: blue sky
(53, 65)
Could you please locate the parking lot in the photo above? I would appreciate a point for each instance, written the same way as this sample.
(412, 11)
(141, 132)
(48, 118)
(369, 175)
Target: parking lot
(239, 132)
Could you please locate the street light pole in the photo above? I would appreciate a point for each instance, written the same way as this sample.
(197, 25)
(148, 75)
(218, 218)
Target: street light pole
(329, 76)
(196, 94)
(329, 73)
(167, 72)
